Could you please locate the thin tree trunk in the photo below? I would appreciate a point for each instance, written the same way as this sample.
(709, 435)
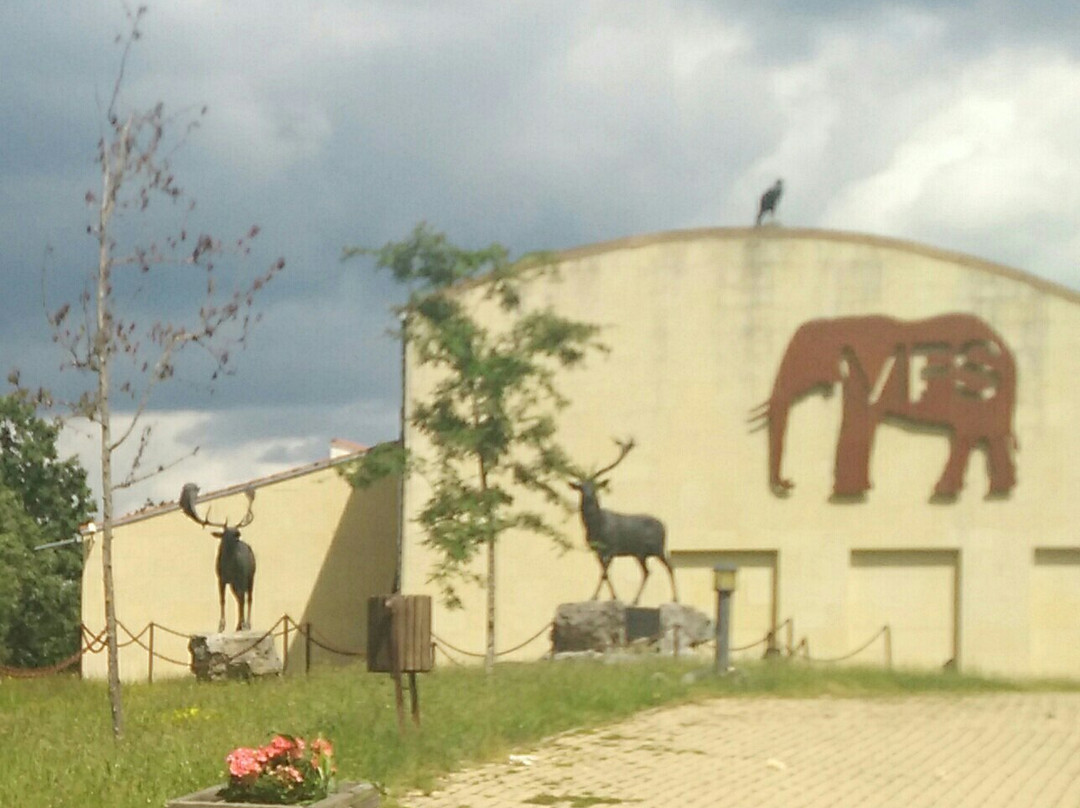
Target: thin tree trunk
(489, 647)
(101, 358)
(115, 701)
(489, 654)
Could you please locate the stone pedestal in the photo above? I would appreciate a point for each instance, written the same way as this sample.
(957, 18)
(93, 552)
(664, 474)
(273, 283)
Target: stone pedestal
(684, 626)
(592, 625)
(241, 655)
(600, 626)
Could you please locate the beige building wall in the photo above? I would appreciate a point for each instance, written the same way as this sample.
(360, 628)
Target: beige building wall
(321, 549)
(698, 322)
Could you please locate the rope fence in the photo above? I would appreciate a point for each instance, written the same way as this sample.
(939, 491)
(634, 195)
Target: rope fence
(145, 639)
(440, 641)
(884, 632)
(91, 644)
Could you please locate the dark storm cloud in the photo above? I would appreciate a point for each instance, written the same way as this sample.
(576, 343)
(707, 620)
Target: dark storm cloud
(539, 125)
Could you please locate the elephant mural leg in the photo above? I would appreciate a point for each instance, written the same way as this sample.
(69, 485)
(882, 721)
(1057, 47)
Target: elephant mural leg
(1002, 470)
(952, 477)
(999, 462)
(855, 443)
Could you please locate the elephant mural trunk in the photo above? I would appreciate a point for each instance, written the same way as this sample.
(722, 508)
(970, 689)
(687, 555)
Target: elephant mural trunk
(806, 368)
(777, 415)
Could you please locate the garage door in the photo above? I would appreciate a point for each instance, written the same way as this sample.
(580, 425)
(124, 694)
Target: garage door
(753, 607)
(1055, 612)
(914, 592)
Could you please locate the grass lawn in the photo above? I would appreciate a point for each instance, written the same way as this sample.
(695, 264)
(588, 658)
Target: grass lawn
(178, 732)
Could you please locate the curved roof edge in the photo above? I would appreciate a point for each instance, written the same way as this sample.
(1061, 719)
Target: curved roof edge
(778, 232)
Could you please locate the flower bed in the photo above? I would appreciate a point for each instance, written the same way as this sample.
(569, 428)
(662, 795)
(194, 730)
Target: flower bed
(287, 771)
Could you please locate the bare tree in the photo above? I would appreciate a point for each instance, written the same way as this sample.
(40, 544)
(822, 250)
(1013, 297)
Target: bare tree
(105, 336)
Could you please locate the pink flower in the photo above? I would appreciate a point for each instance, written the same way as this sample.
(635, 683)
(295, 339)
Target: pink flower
(279, 745)
(286, 767)
(244, 763)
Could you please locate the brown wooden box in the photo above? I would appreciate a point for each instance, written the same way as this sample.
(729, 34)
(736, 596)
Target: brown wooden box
(410, 616)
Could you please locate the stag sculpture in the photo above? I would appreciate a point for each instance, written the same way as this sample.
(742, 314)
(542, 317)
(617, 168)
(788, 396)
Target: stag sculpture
(611, 534)
(235, 559)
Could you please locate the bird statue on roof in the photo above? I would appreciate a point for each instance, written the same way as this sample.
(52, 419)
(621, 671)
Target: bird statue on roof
(769, 200)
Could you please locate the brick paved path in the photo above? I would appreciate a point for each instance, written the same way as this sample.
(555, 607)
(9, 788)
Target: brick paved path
(949, 751)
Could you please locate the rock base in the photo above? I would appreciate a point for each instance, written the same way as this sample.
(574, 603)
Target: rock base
(591, 625)
(242, 655)
(597, 627)
(683, 627)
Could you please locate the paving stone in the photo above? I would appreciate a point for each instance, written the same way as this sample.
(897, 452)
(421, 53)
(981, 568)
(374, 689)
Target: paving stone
(989, 751)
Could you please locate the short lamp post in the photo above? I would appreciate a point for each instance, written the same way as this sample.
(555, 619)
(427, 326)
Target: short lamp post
(724, 577)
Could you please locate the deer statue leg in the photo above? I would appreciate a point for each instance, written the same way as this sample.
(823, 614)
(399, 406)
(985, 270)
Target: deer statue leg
(671, 575)
(240, 622)
(610, 586)
(247, 611)
(644, 578)
(221, 605)
(604, 564)
(600, 583)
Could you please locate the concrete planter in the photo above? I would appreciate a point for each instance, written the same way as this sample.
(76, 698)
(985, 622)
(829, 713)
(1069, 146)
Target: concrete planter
(348, 795)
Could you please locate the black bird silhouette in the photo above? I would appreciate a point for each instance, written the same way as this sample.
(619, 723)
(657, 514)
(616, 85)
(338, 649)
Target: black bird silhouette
(769, 200)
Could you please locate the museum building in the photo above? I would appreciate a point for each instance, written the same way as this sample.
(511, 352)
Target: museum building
(876, 433)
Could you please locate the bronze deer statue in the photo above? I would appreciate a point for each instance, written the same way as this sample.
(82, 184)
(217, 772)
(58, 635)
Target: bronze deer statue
(611, 534)
(235, 559)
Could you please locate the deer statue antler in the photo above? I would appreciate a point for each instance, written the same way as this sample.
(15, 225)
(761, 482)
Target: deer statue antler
(624, 449)
(248, 517)
(189, 495)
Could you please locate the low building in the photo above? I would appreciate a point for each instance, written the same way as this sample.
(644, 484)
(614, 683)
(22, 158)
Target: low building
(923, 403)
(875, 432)
(321, 549)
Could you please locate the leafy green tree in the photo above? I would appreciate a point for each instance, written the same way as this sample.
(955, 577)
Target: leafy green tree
(490, 414)
(43, 499)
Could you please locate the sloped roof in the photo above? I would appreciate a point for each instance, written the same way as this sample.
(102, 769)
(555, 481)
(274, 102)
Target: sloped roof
(259, 482)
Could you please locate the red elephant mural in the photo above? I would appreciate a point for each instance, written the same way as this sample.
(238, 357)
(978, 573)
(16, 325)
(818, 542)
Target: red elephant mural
(952, 373)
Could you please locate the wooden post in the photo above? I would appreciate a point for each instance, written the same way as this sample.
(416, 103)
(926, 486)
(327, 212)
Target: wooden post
(150, 657)
(285, 647)
(415, 694)
(307, 649)
(392, 604)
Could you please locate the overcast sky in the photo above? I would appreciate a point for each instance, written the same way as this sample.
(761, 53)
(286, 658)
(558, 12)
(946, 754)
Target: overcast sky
(541, 125)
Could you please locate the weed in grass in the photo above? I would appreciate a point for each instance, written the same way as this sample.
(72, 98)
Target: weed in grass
(613, 736)
(574, 801)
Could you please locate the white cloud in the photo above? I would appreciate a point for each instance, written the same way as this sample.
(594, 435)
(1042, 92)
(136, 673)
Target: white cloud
(537, 124)
(993, 168)
(174, 440)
